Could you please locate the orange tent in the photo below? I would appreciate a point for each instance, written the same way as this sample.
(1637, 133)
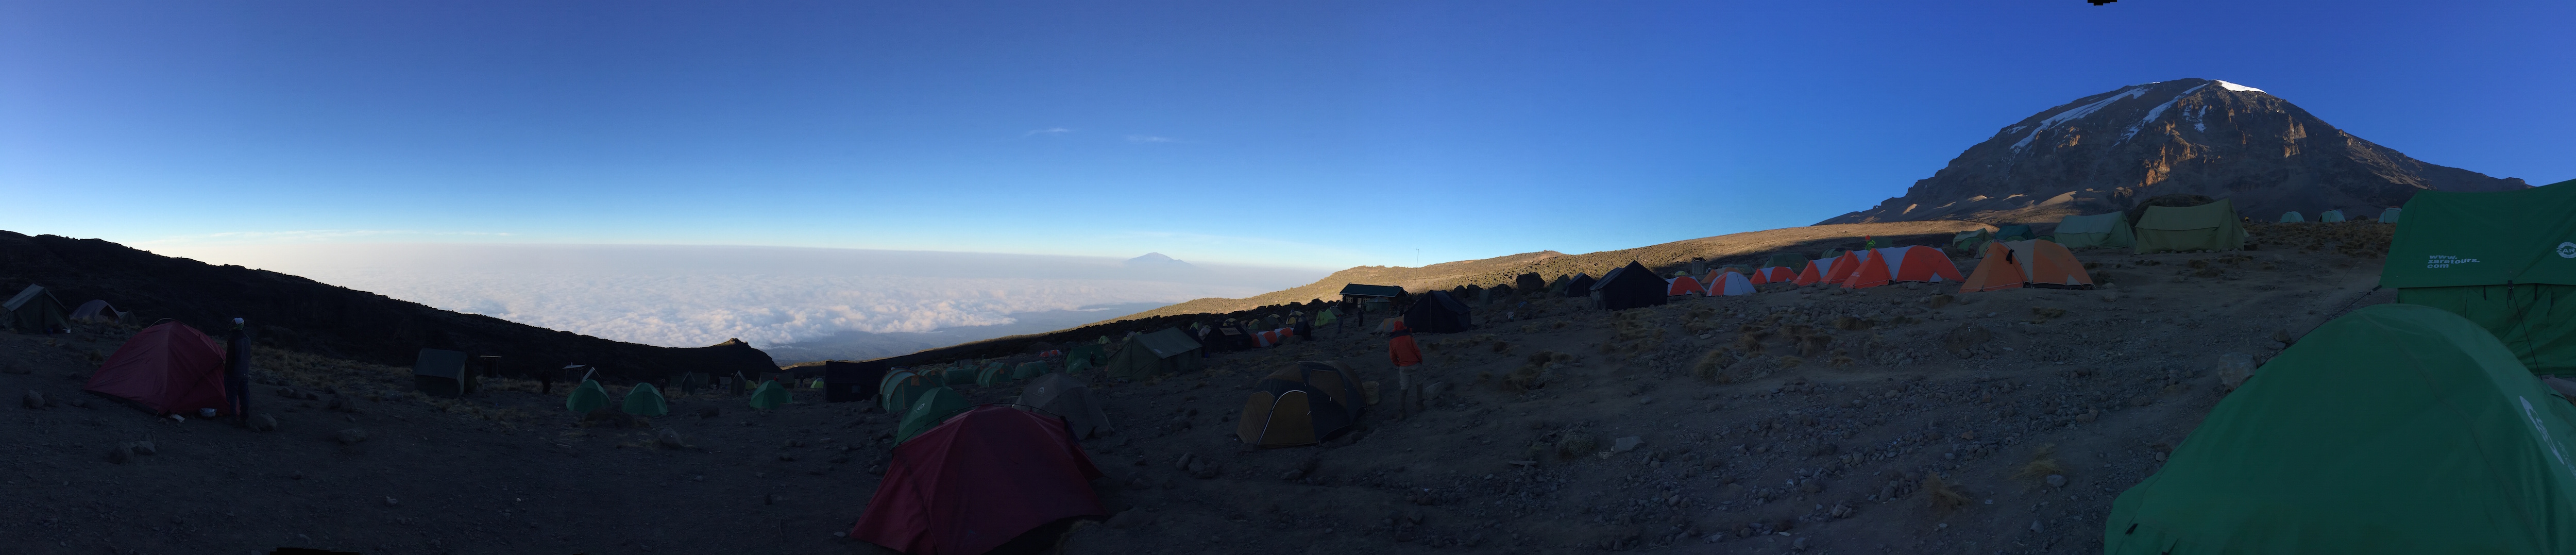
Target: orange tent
(1683, 285)
(1818, 271)
(1729, 284)
(1895, 264)
(1774, 274)
(2035, 262)
(1847, 264)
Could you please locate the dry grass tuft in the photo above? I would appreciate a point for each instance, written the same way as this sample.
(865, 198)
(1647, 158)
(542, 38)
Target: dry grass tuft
(2043, 462)
(1943, 495)
(1711, 365)
(1790, 362)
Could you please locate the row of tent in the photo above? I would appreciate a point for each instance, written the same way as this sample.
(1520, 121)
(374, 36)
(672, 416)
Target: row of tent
(35, 310)
(2211, 227)
(2451, 395)
(2331, 216)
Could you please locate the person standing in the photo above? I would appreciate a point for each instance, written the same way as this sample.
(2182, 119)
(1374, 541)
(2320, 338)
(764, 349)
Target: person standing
(237, 372)
(1401, 351)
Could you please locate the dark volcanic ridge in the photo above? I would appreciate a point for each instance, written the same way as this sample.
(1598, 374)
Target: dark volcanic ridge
(2105, 152)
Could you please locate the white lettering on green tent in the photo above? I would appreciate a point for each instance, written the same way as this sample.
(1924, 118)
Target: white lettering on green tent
(2445, 261)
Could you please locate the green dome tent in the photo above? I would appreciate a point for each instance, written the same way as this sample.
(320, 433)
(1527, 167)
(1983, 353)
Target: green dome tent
(2015, 233)
(2394, 429)
(589, 396)
(991, 376)
(2293, 217)
(646, 400)
(2506, 260)
(2389, 215)
(934, 407)
(901, 388)
(1168, 351)
(770, 395)
(2098, 230)
(1973, 240)
(2330, 216)
(1030, 369)
(2211, 227)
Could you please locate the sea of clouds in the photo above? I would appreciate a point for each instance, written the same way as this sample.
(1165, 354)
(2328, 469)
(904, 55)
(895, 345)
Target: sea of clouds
(686, 296)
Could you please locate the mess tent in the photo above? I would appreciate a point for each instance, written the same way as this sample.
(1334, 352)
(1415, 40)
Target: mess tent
(2396, 429)
(1630, 286)
(34, 310)
(2207, 227)
(2098, 230)
(1438, 312)
(1167, 351)
(1972, 240)
(2505, 260)
(98, 311)
(1068, 398)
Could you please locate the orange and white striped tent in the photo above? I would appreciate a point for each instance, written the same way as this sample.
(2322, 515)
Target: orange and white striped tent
(1774, 274)
(1729, 284)
(1682, 285)
(2034, 263)
(1846, 265)
(1823, 271)
(1897, 264)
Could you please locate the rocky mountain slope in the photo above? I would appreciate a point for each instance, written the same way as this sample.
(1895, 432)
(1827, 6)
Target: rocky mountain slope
(302, 314)
(2187, 136)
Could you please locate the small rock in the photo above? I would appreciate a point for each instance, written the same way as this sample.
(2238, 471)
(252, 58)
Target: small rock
(389, 502)
(795, 443)
(343, 404)
(34, 400)
(2056, 480)
(143, 448)
(1626, 444)
(263, 423)
(669, 439)
(1292, 474)
(1435, 391)
(349, 436)
(121, 453)
(840, 534)
(772, 499)
(1130, 518)
(2034, 526)
(1799, 544)
(1646, 400)
(2234, 369)
(1183, 463)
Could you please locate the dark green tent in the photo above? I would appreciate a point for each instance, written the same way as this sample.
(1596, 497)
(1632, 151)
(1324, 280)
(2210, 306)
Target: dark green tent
(2394, 429)
(2506, 260)
(645, 400)
(770, 395)
(1973, 240)
(1030, 369)
(2330, 216)
(2015, 233)
(588, 396)
(2210, 227)
(934, 407)
(1169, 351)
(2098, 230)
(34, 310)
(1790, 260)
(2293, 217)
(901, 388)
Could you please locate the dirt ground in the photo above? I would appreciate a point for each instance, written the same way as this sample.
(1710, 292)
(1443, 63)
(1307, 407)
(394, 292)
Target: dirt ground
(1865, 422)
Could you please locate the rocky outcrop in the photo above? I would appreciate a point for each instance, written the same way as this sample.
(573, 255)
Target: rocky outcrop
(2105, 152)
(301, 314)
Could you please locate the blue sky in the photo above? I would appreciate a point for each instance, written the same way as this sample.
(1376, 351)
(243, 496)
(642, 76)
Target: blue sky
(1312, 134)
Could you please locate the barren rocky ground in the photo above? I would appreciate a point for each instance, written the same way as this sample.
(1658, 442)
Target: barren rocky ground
(1894, 419)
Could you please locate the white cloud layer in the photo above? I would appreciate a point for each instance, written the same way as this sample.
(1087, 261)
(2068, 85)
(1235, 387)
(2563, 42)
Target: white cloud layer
(692, 296)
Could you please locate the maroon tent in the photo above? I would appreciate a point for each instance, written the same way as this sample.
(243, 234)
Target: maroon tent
(979, 480)
(166, 368)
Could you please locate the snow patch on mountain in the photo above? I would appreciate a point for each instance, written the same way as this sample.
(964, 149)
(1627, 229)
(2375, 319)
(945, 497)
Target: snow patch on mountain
(2157, 112)
(2237, 87)
(2073, 114)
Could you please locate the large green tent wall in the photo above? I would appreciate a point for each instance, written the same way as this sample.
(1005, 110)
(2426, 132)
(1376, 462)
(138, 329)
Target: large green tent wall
(588, 396)
(2098, 230)
(770, 395)
(2506, 260)
(2210, 227)
(934, 407)
(2396, 429)
(646, 400)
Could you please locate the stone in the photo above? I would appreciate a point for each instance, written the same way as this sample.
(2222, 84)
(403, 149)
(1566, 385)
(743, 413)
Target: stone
(343, 404)
(349, 436)
(1647, 400)
(2056, 480)
(389, 502)
(1626, 444)
(1435, 391)
(2234, 369)
(263, 423)
(79, 402)
(143, 448)
(1811, 485)
(669, 439)
(1967, 336)
(33, 399)
(1799, 544)
(121, 453)
(2035, 527)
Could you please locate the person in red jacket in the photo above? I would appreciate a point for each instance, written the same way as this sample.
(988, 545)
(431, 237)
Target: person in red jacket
(1400, 348)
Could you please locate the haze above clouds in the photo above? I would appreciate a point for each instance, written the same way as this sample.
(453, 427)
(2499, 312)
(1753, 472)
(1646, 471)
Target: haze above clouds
(686, 296)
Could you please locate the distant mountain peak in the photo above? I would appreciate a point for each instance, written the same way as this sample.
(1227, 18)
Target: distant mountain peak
(2107, 151)
(1157, 260)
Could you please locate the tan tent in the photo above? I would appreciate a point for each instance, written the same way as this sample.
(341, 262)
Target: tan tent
(1066, 397)
(1304, 404)
(2210, 227)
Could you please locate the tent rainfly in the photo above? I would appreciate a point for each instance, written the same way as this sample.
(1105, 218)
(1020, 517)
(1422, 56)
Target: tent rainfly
(2034, 263)
(2098, 230)
(167, 368)
(2210, 227)
(2505, 260)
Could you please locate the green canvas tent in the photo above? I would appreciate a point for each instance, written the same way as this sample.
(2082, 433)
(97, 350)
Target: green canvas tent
(2394, 429)
(34, 310)
(1973, 240)
(2389, 215)
(1030, 369)
(2506, 260)
(2330, 216)
(2293, 217)
(2015, 233)
(645, 400)
(1790, 260)
(770, 395)
(2212, 227)
(901, 388)
(934, 407)
(992, 375)
(1091, 354)
(2098, 230)
(1163, 352)
(588, 396)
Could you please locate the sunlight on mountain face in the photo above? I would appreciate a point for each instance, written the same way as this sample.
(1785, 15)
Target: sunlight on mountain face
(692, 296)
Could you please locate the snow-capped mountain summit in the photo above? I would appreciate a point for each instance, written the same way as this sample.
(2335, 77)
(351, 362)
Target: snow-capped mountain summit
(2198, 136)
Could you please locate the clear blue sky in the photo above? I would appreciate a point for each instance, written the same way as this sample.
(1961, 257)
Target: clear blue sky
(1296, 133)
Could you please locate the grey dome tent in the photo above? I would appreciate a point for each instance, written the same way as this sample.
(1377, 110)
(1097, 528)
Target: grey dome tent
(97, 310)
(1630, 286)
(1437, 312)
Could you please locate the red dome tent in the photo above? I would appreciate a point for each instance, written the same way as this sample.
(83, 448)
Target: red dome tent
(1895, 264)
(1816, 272)
(979, 480)
(1682, 285)
(167, 368)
